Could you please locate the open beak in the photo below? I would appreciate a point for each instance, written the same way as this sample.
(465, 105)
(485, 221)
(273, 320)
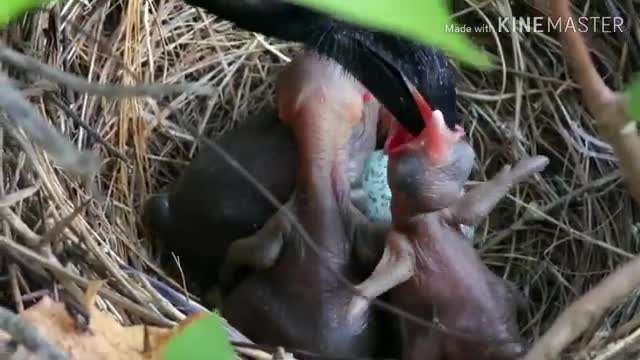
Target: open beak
(434, 142)
(398, 72)
(398, 137)
(396, 101)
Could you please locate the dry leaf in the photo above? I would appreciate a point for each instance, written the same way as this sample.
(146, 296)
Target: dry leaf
(106, 340)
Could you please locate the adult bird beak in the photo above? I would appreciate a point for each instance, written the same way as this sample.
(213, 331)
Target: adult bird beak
(377, 72)
(376, 59)
(390, 87)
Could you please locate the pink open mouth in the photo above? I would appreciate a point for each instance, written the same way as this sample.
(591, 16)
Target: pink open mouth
(398, 136)
(397, 139)
(435, 140)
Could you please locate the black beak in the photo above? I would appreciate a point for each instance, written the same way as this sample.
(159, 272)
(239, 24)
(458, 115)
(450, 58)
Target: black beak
(374, 68)
(383, 63)
(387, 65)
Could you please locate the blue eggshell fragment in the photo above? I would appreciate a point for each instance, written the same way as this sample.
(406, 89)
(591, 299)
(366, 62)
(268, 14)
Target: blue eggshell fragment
(374, 183)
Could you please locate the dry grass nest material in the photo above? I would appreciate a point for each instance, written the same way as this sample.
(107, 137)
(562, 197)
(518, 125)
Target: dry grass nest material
(555, 236)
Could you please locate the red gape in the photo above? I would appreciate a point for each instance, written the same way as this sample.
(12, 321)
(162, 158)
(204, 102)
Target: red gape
(435, 139)
(398, 136)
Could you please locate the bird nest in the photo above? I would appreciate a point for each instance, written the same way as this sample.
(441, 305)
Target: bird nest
(555, 236)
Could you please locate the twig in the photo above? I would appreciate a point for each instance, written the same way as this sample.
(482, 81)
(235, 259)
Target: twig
(25, 254)
(27, 335)
(50, 236)
(303, 354)
(620, 348)
(624, 36)
(608, 109)
(586, 310)
(21, 114)
(184, 304)
(17, 196)
(94, 134)
(15, 287)
(606, 106)
(254, 354)
(77, 83)
(181, 301)
(31, 239)
(163, 305)
(497, 238)
(28, 255)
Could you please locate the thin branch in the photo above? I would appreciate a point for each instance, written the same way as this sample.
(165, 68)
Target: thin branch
(608, 110)
(606, 106)
(93, 133)
(50, 236)
(24, 254)
(21, 114)
(27, 335)
(77, 83)
(180, 301)
(30, 238)
(625, 36)
(619, 349)
(586, 310)
(17, 196)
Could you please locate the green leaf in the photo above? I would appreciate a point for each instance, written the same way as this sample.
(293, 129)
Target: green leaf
(633, 98)
(202, 339)
(11, 9)
(425, 21)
